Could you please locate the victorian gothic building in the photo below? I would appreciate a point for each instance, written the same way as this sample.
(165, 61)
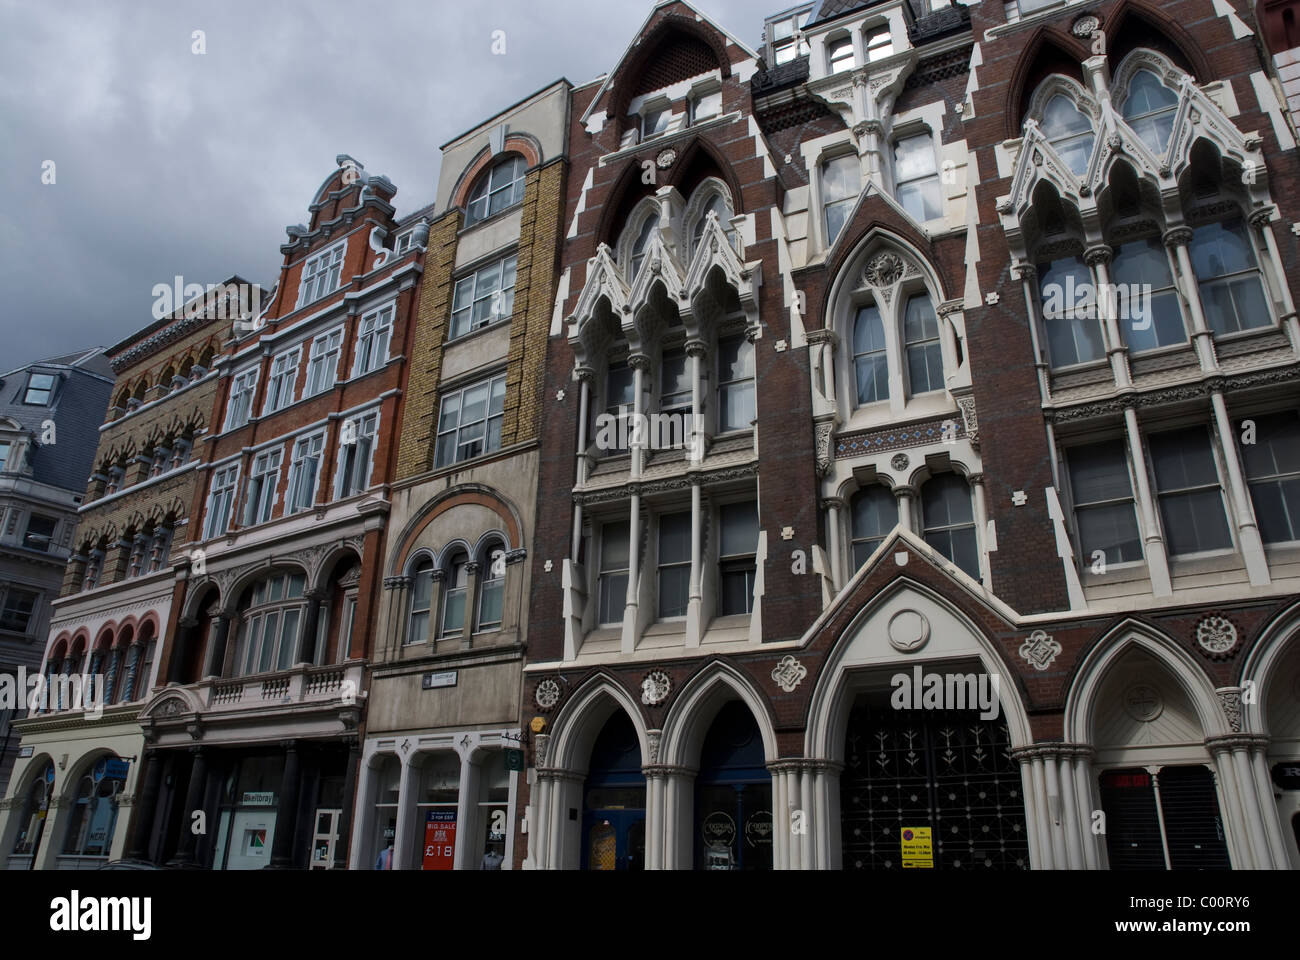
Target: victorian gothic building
(877, 447)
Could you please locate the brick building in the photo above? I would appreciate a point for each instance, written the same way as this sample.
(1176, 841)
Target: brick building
(443, 707)
(117, 588)
(262, 678)
(982, 323)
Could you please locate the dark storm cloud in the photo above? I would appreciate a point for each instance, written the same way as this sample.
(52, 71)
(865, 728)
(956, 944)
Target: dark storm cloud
(168, 162)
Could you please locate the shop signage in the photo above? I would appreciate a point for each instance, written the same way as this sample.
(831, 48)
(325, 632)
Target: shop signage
(258, 799)
(24, 752)
(431, 681)
(918, 850)
(514, 759)
(439, 839)
(758, 829)
(109, 768)
(719, 830)
(1287, 775)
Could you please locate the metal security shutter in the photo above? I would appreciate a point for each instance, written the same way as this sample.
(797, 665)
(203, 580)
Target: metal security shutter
(1193, 826)
(1132, 824)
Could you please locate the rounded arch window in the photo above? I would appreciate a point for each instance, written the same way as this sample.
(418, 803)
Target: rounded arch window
(455, 588)
(271, 621)
(491, 587)
(92, 819)
(31, 823)
(870, 355)
(1149, 110)
(421, 601)
(1069, 131)
(873, 513)
(497, 189)
(948, 520)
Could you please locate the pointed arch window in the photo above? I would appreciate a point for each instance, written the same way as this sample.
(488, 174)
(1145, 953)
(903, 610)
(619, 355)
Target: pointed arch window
(640, 244)
(873, 514)
(1149, 110)
(1069, 131)
(717, 205)
(921, 344)
(870, 355)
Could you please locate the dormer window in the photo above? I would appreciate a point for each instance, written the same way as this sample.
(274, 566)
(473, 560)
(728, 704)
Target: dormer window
(403, 243)
(40, 388)
(839, 54)
(705, 106)
(879, 45)
(785, 44)
(655, 122)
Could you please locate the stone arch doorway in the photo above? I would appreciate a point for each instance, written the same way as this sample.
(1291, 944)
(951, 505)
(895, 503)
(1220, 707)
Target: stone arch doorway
(614, 799)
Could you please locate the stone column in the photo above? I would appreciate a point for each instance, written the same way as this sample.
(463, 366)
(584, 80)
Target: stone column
(185, 848)
(185, 641)
(982, 529)
(147, 806)
(1262, 220)
(132, 663)
(1157, 561)
(310, 626)
(640, 364)
(1098, 257)
(349, 795)
(286, 818)
(471, 604)
(697, 351)
(905, 495)
(1026, 273)
(1252, 545)
(628, 643)
(1177, 238)
(219, 633)
(694, 606)
(833, 506)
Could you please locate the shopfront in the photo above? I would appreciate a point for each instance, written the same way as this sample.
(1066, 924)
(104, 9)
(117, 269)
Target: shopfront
(733, 795)
(614, 802)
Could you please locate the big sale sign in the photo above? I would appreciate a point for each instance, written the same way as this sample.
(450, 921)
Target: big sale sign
(439, 839)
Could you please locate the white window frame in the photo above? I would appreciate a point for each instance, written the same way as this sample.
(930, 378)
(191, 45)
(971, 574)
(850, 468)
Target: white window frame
(471, 282)
(824, 195)
(919, 180)
(264, 500)
(242, 384)
(323, 271)
(322, 348)
(225, 483)
(486, 421)
(303, 451)
(376, 327)
(282, 380)
(367, 429)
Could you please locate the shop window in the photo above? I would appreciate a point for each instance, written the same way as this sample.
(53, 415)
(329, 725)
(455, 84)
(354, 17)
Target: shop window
(436, 810)
(32, 822)
(493, 810)
(1185, 834)
(388, 780)
(1188, 491)
(1272, 465)
(733, 795)
(92, 819)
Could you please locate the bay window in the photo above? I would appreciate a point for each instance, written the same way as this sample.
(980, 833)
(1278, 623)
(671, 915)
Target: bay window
(1070, 313)
(1149, 318)
(1232, 293)
(1070, 133)
(675, 382)
(1149, 110)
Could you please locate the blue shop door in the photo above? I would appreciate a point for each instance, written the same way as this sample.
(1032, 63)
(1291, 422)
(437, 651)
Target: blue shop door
(613, 840)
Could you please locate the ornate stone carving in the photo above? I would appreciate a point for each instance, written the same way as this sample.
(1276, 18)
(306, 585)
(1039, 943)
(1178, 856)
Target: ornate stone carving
(1143, 702)
(1039, 650)
(884, 269)
(655, 688)
(969, 419)
(516, 555)
(900, 461)
(171, 707)
(1230, 700)
(1085, 26)
(547, 694)
(652, 746)
(541, 746)
(789, 673)
(666, 158)
(908, 631)
(1216, 635)
(824, 431)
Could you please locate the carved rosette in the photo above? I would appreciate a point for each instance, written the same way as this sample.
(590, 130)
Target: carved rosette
(1216, 636)
(547, 694)
(655, 688)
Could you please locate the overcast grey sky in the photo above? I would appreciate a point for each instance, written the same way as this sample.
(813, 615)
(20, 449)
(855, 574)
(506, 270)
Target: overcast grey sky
(168, 162)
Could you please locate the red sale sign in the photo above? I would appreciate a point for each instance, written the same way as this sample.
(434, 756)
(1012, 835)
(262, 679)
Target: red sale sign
(439, 839)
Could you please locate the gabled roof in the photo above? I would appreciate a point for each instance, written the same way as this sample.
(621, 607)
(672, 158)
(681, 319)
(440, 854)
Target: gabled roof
(641, 35)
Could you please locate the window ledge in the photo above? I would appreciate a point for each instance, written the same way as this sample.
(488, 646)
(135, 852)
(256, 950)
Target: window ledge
(477, 331)
(499, 215)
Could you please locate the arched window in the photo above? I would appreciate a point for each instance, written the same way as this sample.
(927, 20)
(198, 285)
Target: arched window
(1149, 110)
(870, 357)
(639, 245)
(275, 609)
(1069, 131)
(93, 818)
(873, 514)
(839, 55)
(948, 521)
(1069, 312)
(31, 823)
(921, 344)
(421, 602)
(717, 205)
(497, 189)
(491, 588)
(1147, 322)
(454, 589)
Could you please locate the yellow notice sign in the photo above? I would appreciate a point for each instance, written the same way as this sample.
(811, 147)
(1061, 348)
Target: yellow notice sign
(918, 849)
